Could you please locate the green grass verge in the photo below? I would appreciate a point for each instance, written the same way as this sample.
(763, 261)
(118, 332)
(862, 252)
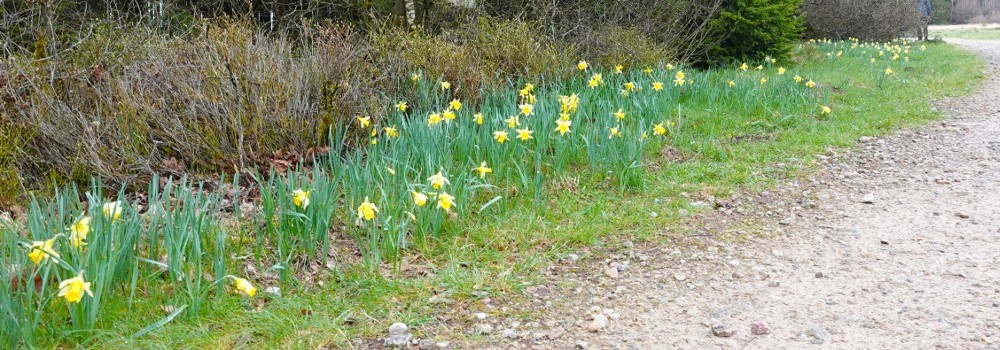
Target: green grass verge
(499, 252)
(977, 33)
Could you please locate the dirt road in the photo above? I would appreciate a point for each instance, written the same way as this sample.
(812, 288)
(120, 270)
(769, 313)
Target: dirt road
(894, 246)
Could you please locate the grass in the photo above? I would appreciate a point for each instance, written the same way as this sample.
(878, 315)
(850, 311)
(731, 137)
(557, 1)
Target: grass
(591, 197)
(984, 32)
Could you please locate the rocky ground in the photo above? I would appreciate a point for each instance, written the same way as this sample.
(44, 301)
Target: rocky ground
(895, 245)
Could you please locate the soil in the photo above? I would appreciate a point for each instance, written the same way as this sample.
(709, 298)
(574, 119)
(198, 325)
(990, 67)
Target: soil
(892, 245)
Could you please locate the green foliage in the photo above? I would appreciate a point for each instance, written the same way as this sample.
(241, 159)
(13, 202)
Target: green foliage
(751, 30)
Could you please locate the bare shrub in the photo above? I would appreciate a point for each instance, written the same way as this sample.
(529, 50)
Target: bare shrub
(862, 19)
(975, 11)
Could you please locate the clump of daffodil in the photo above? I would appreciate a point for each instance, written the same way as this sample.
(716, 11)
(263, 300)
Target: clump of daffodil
(659, 130)
(244, 286)
(888, 71)
(78, 232)
(364, 121)
(562, 126)
(781, 70)
(620, 114)
(526, 109)
(112, 210)
(448, 115)
(74, 288)
(582, 65)
(569, 103)
(391, 131)
(402, 106)
(300, 198)
(434, 118)
(810, 84)
(367, 210)
(657, 86)
(528, 88)
(825, 109)
(445, 201)
(595, 80)
(679, 78)
(455, 104)
(500, 136)
(513, 121)
(483, 170)
(445, 85)
(40, 251)
(524, 134)
(744, 67)
(419, 198)
(438, 180)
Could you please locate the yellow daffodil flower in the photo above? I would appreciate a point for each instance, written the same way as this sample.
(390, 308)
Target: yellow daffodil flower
(670, 66)
(797, 79)
(74, 288)
(759, 67)
(448, 115)
(500, 136)
(825, 109)
(445, 85)
(438, 180)
(112, 210)
(479, 118)
(564, 116)
(41, 251)
(615, 131)
(513, 122)
(648, 71)
(390, 170)
(620, 114)
(618, 69)
(659, 130)
(415, 78)
(582, 65)
(401, 106)
(79, 231)
(524, 134)
(419, 199)
(455, 104)
(529, 87)
(526, 109)
(445, 201)
(744, 67)
(781, 70)
(434, 118)
(364, 121)
(888, 71)
(629, 86)
(483, 170)
(367, 210)
(657, 86)
(763, 81)
(562, 126)
(810, 84)
(391, 131)
(731, 83)
(244, 286)
(300, 198)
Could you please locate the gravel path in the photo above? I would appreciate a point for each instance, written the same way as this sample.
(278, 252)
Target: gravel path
(895, 246)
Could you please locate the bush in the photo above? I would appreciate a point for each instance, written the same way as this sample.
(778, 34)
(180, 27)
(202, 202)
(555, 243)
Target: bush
(751, 30)
(626, 46)
(863, 19)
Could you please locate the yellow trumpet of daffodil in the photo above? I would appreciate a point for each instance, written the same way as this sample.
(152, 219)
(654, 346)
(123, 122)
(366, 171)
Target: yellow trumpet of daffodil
(582, 65)
(526, 109)
(500, 136)
(524, 134)
(244, 286)
(513, 121)
(629, 86)
(391, 131)
(445, 201)
(620, 114)
(434, 118)
(438, 180)
(455, 104)
(74, 288)
(445, 85)
(419, 199)
(810, 84)
(562, 126)
(367, 210)
(401, 106)
(40, 251)
(731, 83)
(78, 232)
(448, 115)
(112, 210)
(657, 86)
(479, 118)
(364, 121)
(659, 130)
(483, 170)
(300, 198)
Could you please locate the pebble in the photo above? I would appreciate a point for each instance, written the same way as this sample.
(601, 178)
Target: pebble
(426, 344)
(600, 322)
(273, 290)
(721, 330)
(868, 198)
(680, 276)
(510, 334)
(581, 345)
(962, 215)
(611, 271)
(483, 328)
(399, 335)
(818, 334)
(759, 328)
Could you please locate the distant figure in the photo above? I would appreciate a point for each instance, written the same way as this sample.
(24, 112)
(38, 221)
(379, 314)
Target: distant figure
(924, 11)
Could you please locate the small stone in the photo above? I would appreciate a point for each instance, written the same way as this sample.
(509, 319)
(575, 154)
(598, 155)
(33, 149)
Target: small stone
(962, 215)
(480, 315)
(480, 294)
(581, 345)
(611, 271)
(759, 328)
(819, 275)
(787, 221)
(721, 330)
(682, 212)
(483, 328)
(399, 335)
(426, 344)
(865, 139)
(573, 257)
(680, 276)
(600, 322)
(443, 344)
(818, 334)
(868, 198)
(510, 334)
(273, 290)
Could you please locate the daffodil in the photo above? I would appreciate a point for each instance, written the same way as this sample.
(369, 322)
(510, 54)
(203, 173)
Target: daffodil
(445, 85)
(483, 170)
(445, 201)
(112, 210)
(888, 71)
(763, 81)
(74, 288)
(402, 106)
(658, 129)
(448, 115)
(529, 87)
(629, 86)
(593, 83)
(434, 118)
(810, 84)
(530, 98)
(648, 71)
(390, 170)
(744, 67)
(670, 66)
(479, 118)
(797, 79)
(759, 67)
(300, 198)
(438, 180)
(657, 86)
(500, 136)
(41, 251)
(781, 70)
(513, 122)
(562, 126)
(731, 83)
(419, 199)
(526, 109)
(415, 77)
(825, 109)
(364, 121)
(564, 116)
(618, 69)
(582, 65)
(524, 134)
(615, 131)
(367, 210)
(391, 131)
(455, 104)
(244, 286)
(79, 231)
(620, 114)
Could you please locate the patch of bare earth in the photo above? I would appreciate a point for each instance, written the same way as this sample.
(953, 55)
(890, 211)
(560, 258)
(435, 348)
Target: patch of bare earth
(895, 245)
